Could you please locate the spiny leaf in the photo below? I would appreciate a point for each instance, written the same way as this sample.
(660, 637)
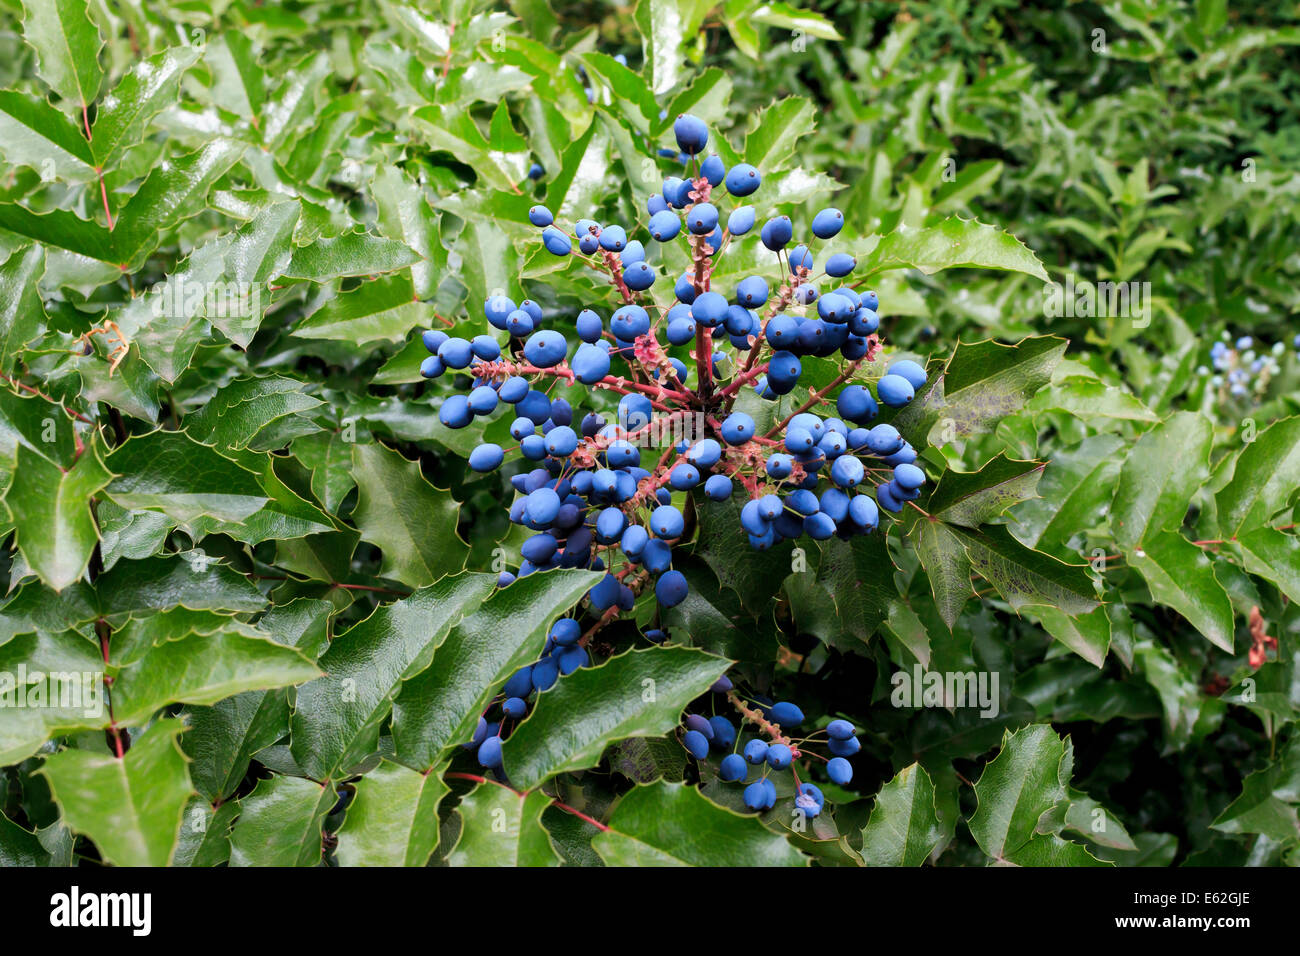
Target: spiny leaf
(130, 806)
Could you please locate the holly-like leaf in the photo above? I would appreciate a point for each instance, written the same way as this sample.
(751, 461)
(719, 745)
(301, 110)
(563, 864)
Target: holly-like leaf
(592, 708)
(974, 498)
(953, 243)
(21, 310)
(173, 473)
(1024, 577)
(859, 575)
(1163, 470)
(204, 669)
(35, 134)
(1022, 784)
(410, 520)
(233, 417)
(82, 705)
(280, 823)
(499, 827)
(129, 806)
(904, 827)
(351, 254)
(1264, 478)
(673, 824)
(982, 383)
(1180, 576)
(1076, 487)
(439, 707)
(51, 511)
(149, 87)
(393, 819)
(337, 717)
(381, 311)
(170, 194)
(67, 45)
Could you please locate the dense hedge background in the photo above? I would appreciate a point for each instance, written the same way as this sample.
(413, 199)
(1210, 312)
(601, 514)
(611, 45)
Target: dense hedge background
(217, 510)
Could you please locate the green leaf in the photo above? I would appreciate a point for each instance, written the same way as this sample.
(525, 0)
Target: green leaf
(35, 134)
(233, 417)
(1264, 478)
(1088, 635)
(410, 520)
(351, 254)
(1180, 576)
(25, 728)
(775, 131)
(130, 807)
(972, 498)
(405, 215)
(19, 847)
(502, 828)
(170, 194)
(439, 707)
(859, 575)
(22, 313)
(904, 827)
(280, 823)
(205, 834)
(636, 694)
(193, 580)
(337, 718)
(62, 229)
(223, 738)
(1162, 473)
(393, 819)
(1077, 485)
(149, 87)
(51, 511)
(946, 564)
(1087, 398)
(67, 45)
(672, 824)
(1024, 577)
(789, 17)
(954, 243)
(204, 669)
(1267, 804)
(170, 472)
(381, 311)
(1022, 784)
(665, 26)
(982, 383)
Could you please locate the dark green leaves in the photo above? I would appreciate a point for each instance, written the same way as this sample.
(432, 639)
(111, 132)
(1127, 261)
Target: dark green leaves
(904, 827)
(130, 806)
(439, 707)
(413, 522)
(336, 721)
(671, 824)
(640, 693)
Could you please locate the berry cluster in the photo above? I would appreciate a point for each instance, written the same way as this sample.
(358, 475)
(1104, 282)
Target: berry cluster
(562, 655)
(592, 502)
(779, 751)
(1243, 370)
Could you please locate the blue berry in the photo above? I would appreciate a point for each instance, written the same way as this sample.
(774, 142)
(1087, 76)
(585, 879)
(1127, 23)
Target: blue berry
(738, 428)
(540, 216)
(718, 488)
(667, 522)
(778, 756)
(827, 223)
(691, 133)
(664, 225)
(752, 291)
(909, 370)
(733, 768)
(840, 264)
(696, 743)
(741, 220)
(515, 707)
(840, 729)
(489, 753)
(486, 457)
(743, 179)
(786, 714)
(556, 242)
(894, 390)
(702, 219)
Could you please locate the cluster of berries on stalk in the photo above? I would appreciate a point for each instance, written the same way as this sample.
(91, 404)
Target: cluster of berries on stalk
(773, 746)
(1243, 369)
(594, 498)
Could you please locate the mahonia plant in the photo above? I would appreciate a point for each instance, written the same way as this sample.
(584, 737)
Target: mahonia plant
(591, 501)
